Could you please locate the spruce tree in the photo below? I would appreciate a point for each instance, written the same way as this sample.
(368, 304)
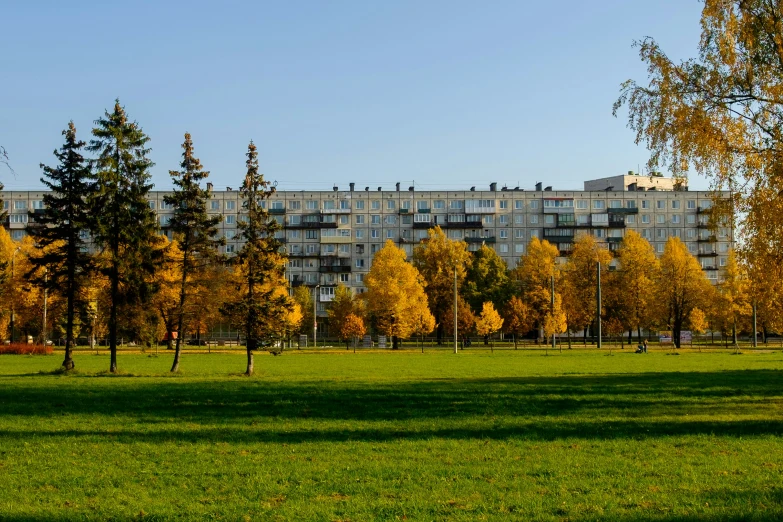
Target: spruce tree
(125, 227)
(195, 231)
(57, 230)
(262, 302)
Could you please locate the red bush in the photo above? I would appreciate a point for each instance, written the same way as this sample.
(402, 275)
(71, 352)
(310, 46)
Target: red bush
(25, 349)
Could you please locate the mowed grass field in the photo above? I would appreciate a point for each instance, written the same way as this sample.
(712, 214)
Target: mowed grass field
(513, 435)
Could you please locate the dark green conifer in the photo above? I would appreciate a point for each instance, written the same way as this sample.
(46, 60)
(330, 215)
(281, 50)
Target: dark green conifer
(58, 229)
(260, 307)
(195, 231)
(125, 227)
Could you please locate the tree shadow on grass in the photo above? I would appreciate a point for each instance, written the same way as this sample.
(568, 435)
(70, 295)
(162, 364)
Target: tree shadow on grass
(537, 408)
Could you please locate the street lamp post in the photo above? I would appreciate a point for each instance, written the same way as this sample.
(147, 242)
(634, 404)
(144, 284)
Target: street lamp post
(46, 284)
(455, 308)
(13, 299)
(315, 318)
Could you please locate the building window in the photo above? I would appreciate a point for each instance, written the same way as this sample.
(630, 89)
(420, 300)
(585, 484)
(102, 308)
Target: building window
(630, 204)
(660, 233)
(659, 247)
(311, 204)
(456, 204)
(389, 234)
(519, 219)
(405, 204)
(504, 248)
(311, 234)
(691, 204)
(645, 204)
(519, 204)
(422, 205)
(295, 205)
(359, 234)
(519, 233)
(328, 204)
(533, 233)
(645, 219)
(374, 234)
(503, 220)
(660, 219)
(359, 204)
(152, 205)
(549, 219)
(230, 205)
(690, 219)
(375, 205)
(390, 219)
(504, 234)
(230, 249)
(615, 203)
(390, 204)
(20, 205)
(360, 219)
(676, 204)
(360, 264)
(230, 220)
(581, 203)
(534, 204)
(503, 204)
(534, 219)
(660, 204)
(630, 220)
(599, 204)
(676, 219)
(519, 248)
(230, 234)
(375, 219)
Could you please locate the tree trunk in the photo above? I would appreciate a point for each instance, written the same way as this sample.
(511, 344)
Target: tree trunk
(568, 333)
(395, 342)
(515, 341)
(250, 367)
(68, 363)
(115, 290)
(639, 333)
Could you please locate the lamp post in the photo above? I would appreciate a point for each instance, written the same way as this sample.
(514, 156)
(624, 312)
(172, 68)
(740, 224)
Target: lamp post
(455, 308)
(46, 284)
(13, 299)
(315, 319)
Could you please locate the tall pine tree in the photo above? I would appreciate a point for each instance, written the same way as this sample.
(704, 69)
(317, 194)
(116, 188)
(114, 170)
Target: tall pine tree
(125, 227)
(195, 231)
(58, 226)
(262, 302)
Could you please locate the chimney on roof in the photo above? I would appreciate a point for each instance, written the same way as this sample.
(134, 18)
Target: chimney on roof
(351, 184)
(548, 189)
(630, 173)
(398, 186)
(209, 186)
(473, 189)
(379, 189)
(410, 188)
(538, 186)
(334, 188)
(632, 187)
(493, 187)
(228, 189)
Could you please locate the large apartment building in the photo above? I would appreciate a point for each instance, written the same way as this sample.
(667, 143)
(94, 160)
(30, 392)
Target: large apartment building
(331, 236)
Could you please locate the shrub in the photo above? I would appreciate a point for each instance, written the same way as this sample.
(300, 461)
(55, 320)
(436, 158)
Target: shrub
(25, 349)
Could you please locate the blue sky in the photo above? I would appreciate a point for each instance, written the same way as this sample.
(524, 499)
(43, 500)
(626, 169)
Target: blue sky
(441, 93)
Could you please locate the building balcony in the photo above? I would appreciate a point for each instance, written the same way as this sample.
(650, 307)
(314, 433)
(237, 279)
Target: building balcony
(423, 210)
(614, 240)
(707, 254)
(709, 268)
(404, 211)
(711, 239)
(703, 225)
(276, 211)
(623, 210)
(334, 269)
(556, 234)
(310, 224)
(425, 224)
(462, 224)
(336, 211)
(492, 239)
(616, 223)
(336, 239)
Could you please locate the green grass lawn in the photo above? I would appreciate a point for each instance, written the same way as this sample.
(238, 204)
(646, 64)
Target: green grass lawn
(512, 435)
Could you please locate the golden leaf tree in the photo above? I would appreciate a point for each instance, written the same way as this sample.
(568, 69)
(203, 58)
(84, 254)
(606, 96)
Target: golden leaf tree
(733, 299)
(681, 287)
(581, 271)
(343, 304)
(517, 318)
(488, 322)
(466, 320)
(167, 281)
(636, 280)
(720, 113)
(436, 259)
(352, 328)
(395, 293)
(533, 274)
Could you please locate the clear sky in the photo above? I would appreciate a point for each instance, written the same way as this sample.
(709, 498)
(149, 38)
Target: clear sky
(441, 93)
